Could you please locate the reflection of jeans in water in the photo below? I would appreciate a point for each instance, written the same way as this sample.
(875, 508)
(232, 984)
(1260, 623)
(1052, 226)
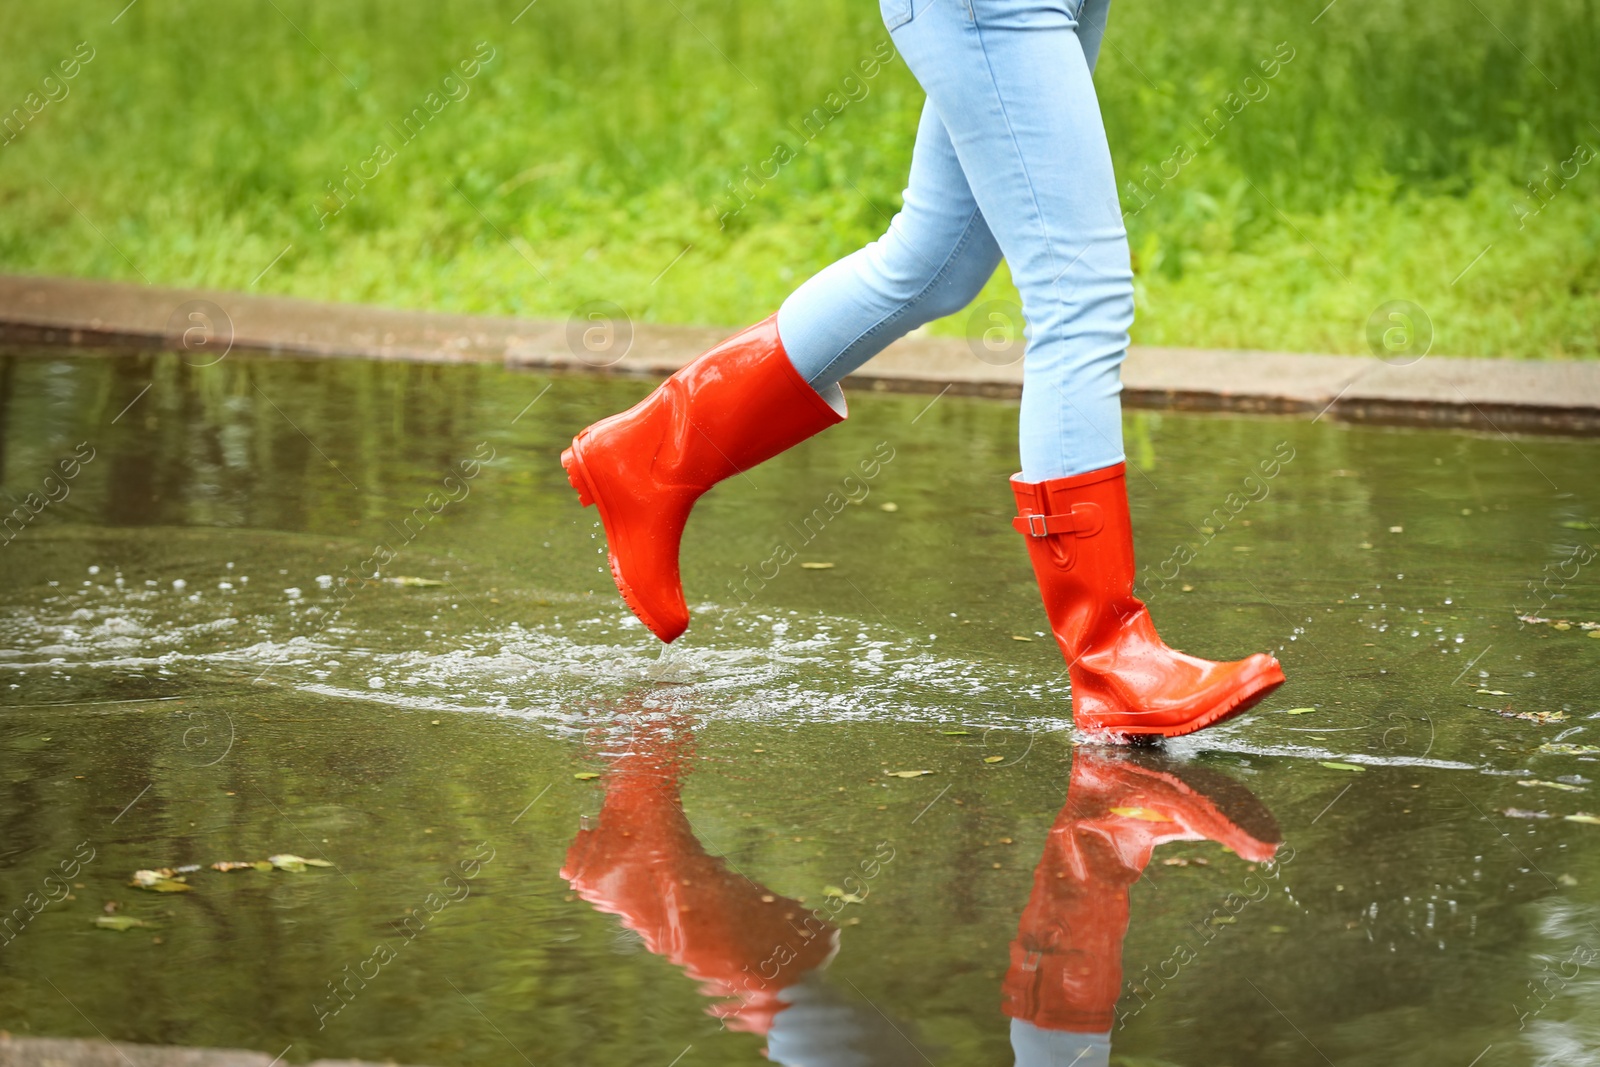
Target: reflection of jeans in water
(820, 1027)
(1011, 158)
(1037, 1047)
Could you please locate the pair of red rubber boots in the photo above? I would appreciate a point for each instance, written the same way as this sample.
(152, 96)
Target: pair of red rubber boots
(743, 402)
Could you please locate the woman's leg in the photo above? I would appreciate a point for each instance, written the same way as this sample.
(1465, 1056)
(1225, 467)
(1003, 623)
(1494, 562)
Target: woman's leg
(1010, 80)
(934, 259)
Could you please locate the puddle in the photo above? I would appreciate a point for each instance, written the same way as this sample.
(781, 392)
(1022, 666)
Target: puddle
(351, 611)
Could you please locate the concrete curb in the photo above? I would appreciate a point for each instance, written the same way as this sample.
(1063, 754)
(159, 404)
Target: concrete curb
(1488, 394)
(76, 1052)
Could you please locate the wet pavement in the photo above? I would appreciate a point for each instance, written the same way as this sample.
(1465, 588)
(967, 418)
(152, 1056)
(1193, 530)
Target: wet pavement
(352, 612)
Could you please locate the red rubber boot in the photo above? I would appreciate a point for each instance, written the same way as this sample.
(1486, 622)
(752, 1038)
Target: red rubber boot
(643, 863)
(1066, 961)
(736, 406)
(1126, 683)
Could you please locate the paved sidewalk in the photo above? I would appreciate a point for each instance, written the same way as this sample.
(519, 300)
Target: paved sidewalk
(75, 1052)
(1488, 394)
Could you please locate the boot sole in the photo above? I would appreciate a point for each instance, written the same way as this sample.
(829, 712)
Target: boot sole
(1248, 696)
(578, 477)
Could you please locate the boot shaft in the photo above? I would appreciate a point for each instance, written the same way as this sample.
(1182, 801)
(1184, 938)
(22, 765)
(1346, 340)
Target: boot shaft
(733, 407)
(1080, 540)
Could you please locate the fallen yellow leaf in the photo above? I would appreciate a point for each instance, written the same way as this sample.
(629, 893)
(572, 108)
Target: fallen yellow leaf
(817, 566)
(907, 774)
(993, 759)
(1552, 785)
(160, 880)
(586, 776)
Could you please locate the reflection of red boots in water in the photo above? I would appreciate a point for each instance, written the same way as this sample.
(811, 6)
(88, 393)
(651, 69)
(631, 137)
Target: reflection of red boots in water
(1066, 962)
(644, 864)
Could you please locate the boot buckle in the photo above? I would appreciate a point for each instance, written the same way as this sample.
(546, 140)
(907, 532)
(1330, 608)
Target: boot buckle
(1081, 520)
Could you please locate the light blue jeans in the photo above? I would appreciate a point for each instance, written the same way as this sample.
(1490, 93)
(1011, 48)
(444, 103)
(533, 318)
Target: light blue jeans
(1011, 159)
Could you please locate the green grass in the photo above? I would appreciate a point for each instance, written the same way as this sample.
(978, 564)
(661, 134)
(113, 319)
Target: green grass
(599, 143)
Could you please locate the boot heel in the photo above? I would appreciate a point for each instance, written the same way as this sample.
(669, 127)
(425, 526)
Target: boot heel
(569, 461)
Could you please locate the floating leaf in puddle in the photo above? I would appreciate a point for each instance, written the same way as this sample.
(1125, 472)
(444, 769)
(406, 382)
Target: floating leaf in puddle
(1494, 692)
(1342, 766)
(1566, 880)
(288, 861)
(149, 877)
(1574, 525)
(1300, 711)
(1524, 813)
(1223, 920)
(586, 776)
(1540, 717)
(1019, 637)
(993, 759)
(241, 865)
(1569, 750)
(415, 583)
(956, 733)
(118, 922)
(817, 566)
(848, 898)
(889, 506)
(161, 880)
(906, 774)
(1585, 817)
(1552, 785)
(1142, 814)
